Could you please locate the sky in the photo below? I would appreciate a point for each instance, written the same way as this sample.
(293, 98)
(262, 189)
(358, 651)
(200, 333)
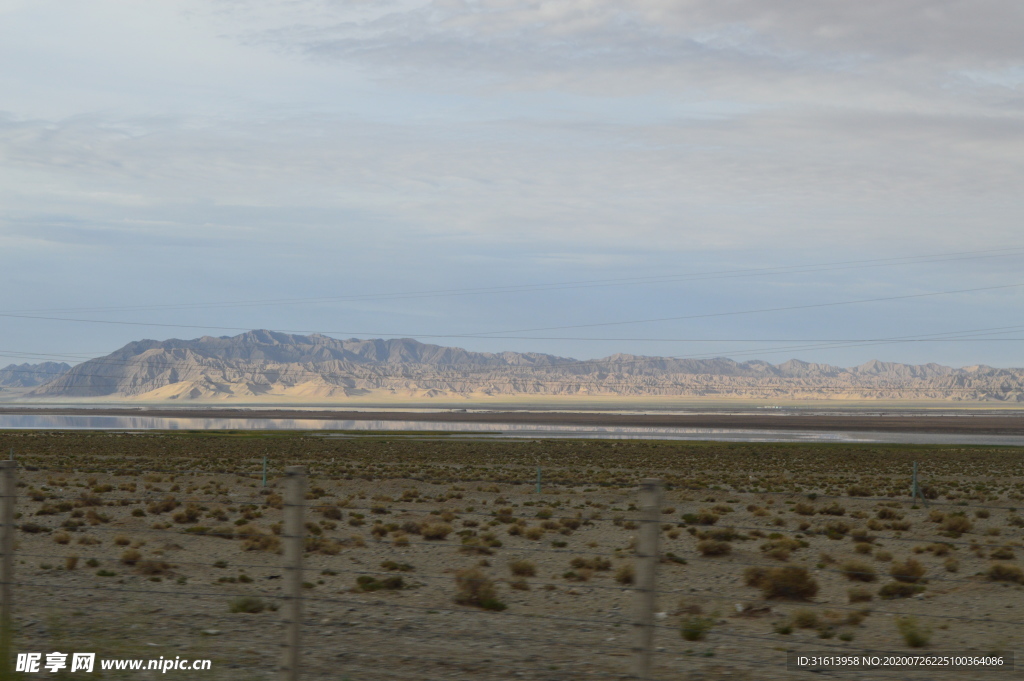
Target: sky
(689, 178)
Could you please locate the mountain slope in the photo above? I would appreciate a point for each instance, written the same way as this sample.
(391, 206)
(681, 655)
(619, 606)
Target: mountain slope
(31, 375)
(270, 364)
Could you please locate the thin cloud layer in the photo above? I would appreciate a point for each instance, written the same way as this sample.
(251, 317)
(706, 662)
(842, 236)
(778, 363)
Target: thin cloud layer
(451, 143)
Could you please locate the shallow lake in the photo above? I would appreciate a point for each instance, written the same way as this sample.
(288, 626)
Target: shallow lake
(486, 430)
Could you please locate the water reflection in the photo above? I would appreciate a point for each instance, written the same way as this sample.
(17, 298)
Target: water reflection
(81, 422)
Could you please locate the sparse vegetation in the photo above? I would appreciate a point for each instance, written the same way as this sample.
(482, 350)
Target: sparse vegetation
(756, 512)
(790, 582)
(473, 587)
(914, 634)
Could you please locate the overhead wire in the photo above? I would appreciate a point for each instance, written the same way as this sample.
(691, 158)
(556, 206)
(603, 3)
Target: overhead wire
(619, 281)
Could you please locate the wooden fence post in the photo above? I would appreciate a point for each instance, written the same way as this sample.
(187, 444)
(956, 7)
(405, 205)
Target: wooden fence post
(647, 557)
(294, 546)
(8, 487)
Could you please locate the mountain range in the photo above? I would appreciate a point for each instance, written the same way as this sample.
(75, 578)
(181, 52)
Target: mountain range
(270, 365)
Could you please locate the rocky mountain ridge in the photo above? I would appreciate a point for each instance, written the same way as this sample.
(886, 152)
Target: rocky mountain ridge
(30, 375)
(271, 364)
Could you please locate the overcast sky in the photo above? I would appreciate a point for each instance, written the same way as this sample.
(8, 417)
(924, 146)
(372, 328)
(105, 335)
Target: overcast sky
(516, 175)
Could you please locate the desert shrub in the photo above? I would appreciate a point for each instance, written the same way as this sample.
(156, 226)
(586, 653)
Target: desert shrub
(883, 556)
(854, 570)
(579, 575)
(696, 628)
(121, 540)
(804, 509)
(255, 539)
(859, 491)
(1001, 553)
(909, 571)
(914, 634)
(955, 525)
(862, 547)
(34, 528)
(722, 534)
(473, 587)
(96, 518)
(889, 514)
(625, 574)
(711, 547)
(62, 538)
(249, 604)
(189, 514)
(705, 517)
(436, 531)
(789, 581)
(1001, 572)
(899, 590)
(87, 499)
(859, 594)
(951, 565)
(534, 533)
(473, 546)
(163, 506)
(70, 562)
(399, 567)
(331, 512)
(368, 583)
(596, 563)
(784, 543)
(833, 509)
(752, 576)
(152, 567)
(326, 546)
(805, 619)
(49, 509)
(862, 535)
(131, 557)
(982, 513)
(836, 530)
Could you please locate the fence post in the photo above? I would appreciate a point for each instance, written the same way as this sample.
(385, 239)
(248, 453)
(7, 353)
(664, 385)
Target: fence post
(916, 490)
(294, 540)
(647, 557)
(8, 470)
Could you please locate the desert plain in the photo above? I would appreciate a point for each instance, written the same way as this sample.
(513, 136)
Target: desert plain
(434, 557)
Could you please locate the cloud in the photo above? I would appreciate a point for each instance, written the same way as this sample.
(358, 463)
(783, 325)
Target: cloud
(575, 36)
(445, 143)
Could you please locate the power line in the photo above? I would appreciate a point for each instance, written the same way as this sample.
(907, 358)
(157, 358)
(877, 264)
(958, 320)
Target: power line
(493, 334)
(591, 283)
(757, 311)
